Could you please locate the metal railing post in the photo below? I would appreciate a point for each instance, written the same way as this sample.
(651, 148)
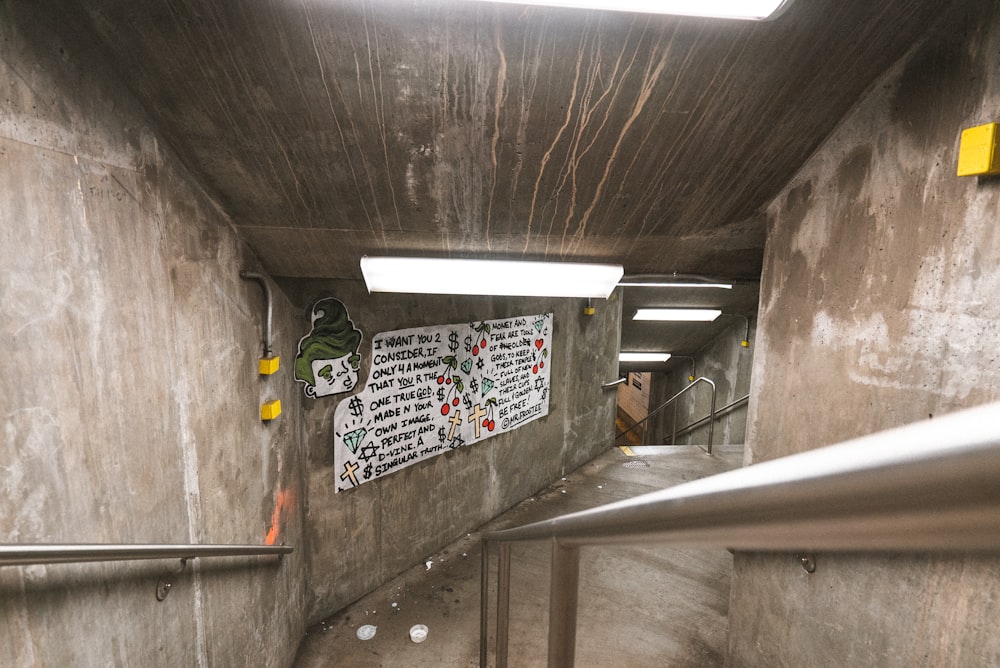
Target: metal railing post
(503, 605)
(484, 596)
(673, 437)
(563, 592)
(711, 423)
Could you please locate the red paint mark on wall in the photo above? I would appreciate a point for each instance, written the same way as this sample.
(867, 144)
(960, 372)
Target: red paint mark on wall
(284, 501)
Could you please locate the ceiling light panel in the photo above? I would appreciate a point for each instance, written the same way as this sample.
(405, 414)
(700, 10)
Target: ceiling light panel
(502, 278)
(643, 357)
(677, 314)
(725, 9)
(721, 286)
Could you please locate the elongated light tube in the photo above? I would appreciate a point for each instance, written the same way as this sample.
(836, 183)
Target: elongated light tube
(678, 314)
(504, 278)
(754, 10)
(634, 284)
(643, 357)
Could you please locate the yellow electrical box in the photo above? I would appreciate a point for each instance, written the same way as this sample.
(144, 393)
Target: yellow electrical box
(589, 310)
(270, 410)
(977, 154)
(269, 365)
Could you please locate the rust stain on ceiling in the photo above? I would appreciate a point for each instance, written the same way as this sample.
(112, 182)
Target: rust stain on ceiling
(330, 129)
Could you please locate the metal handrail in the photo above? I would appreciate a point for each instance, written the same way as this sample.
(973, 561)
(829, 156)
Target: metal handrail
(51, 553)
(929, 486)
(718, 414)
(659, 408)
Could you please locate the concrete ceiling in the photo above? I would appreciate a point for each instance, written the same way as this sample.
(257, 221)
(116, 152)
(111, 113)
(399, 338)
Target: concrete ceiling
(330, 129)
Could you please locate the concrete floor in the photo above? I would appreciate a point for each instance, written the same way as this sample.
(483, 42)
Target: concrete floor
(648, 606)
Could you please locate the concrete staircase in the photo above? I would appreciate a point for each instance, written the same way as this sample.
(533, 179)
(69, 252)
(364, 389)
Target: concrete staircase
(639, 606)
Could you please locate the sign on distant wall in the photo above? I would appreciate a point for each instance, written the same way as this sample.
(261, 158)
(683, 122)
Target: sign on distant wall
(434, 389)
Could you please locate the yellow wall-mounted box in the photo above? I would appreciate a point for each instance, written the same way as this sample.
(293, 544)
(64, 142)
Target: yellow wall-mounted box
(270, 410)
(977, 154)
(268, 365)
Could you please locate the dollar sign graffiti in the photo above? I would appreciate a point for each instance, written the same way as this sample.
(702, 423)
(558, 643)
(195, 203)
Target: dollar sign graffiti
(453, 341)
(468, 344)
(442, 434)
(355, 407)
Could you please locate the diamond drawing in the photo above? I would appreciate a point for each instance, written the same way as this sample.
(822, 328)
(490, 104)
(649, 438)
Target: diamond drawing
(467, 365)
(539, 324)
(353, 438)
(487, 386)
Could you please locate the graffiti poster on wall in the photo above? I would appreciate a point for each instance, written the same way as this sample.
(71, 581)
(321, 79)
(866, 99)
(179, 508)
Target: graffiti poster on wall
(434, 389)
(328, 360)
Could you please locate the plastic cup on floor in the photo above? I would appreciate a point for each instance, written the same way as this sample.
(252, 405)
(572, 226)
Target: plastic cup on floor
(418, 633)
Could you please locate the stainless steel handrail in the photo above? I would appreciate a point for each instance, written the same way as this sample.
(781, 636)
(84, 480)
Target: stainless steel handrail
(711, 429)
(929, 486)
(51, 553)
(718, 414)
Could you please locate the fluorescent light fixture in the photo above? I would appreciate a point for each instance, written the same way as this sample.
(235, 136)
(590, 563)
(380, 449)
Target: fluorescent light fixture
(723, 286)
(504, 278)
(678, 314)
(643, 357)
(723, 9)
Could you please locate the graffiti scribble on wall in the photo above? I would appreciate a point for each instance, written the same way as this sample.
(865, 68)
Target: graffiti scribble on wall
(328, 358)
(434, 389)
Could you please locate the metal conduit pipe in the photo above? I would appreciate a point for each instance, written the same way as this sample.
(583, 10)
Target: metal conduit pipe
(260, 278)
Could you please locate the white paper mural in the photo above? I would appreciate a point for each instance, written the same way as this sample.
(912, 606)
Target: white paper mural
(434, 389)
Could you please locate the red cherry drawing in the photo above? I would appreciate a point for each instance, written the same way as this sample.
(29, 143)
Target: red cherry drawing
(534, 369)
(475, 350)
(444, 409)
(486, 423)
(448, 381)
(491, 425)
(440, 380)
(454, 402)
(541, 365)
(482, 344)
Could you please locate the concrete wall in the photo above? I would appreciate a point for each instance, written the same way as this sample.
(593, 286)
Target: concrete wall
(878, 308)
(725, 362)
(361, 538)
(129, 394)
